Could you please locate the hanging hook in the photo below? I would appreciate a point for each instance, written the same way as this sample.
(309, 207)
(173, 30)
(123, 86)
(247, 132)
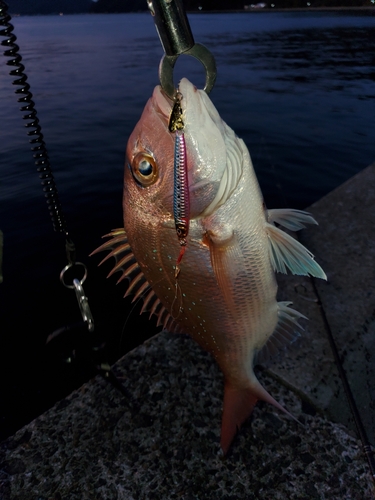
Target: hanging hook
(175, 35)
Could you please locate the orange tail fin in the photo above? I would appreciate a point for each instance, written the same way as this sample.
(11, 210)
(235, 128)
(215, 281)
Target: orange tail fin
(238, 405)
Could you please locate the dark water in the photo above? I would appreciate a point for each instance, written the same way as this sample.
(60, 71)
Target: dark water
(297, 87)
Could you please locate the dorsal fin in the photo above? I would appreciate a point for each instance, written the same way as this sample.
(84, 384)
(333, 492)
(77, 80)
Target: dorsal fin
(126, 263)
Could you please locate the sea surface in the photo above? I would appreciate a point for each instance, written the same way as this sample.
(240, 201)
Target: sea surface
(298, 87)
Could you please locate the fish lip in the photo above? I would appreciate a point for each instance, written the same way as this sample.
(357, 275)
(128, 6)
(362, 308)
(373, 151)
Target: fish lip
(163, 103)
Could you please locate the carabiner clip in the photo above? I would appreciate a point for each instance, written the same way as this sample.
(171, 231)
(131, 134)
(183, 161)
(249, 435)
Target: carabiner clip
(83, 304)
(83, 301)
(176, 38)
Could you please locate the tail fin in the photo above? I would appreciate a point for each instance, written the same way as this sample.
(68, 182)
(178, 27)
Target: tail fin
(239, 403)
(238, 406)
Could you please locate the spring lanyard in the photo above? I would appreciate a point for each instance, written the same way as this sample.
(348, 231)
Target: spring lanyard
(43, 165)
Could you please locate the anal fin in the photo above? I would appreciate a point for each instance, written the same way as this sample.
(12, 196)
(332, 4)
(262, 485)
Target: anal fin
(286, 332)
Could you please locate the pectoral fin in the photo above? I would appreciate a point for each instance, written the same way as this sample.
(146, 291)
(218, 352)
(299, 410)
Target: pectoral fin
(287, 253)
(225, 257)
(290, 218)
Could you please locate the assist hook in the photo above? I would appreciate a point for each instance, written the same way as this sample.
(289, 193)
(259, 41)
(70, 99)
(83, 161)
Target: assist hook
(176, 38)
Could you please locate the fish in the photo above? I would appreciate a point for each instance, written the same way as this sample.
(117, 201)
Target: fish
(224, 295)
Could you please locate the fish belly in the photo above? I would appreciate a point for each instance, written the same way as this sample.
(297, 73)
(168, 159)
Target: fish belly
(225, 295)
(241, 264)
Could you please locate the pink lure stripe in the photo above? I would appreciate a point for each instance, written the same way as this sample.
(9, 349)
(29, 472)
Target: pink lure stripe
(181, 202)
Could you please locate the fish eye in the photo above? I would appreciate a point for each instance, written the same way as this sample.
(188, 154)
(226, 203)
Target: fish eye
(144, 169)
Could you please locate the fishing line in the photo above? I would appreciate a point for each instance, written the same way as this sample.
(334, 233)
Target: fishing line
(180, 308)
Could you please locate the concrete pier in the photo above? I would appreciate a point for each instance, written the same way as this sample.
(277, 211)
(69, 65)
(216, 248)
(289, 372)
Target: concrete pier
(344, 245)
(165, 443)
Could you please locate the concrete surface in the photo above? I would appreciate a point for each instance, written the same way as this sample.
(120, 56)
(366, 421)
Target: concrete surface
(344, 245)
(94, 446)
(165, 444)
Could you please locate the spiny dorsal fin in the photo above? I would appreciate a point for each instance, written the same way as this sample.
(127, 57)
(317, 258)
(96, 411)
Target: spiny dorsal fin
(126, 263)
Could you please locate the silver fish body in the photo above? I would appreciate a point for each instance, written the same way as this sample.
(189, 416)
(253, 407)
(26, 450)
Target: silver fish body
(225, 293)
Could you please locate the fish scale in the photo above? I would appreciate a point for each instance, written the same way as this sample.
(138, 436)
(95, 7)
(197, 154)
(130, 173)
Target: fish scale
(224, 294)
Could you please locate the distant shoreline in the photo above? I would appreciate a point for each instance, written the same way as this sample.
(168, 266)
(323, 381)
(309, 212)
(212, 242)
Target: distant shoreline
(238, 11)
(295, 9)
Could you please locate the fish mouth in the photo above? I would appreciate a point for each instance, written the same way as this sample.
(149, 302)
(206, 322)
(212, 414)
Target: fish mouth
(214, 152)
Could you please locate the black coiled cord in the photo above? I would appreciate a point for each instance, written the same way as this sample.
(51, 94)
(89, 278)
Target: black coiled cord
(39, 150)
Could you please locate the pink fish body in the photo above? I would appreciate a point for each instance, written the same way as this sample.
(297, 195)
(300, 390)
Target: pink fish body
(225, 294)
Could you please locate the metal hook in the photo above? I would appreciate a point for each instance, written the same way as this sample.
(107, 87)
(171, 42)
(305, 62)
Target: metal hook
(203, 55)
(176, 38)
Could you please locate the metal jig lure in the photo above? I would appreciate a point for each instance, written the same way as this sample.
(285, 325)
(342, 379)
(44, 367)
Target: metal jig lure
(181, 202)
